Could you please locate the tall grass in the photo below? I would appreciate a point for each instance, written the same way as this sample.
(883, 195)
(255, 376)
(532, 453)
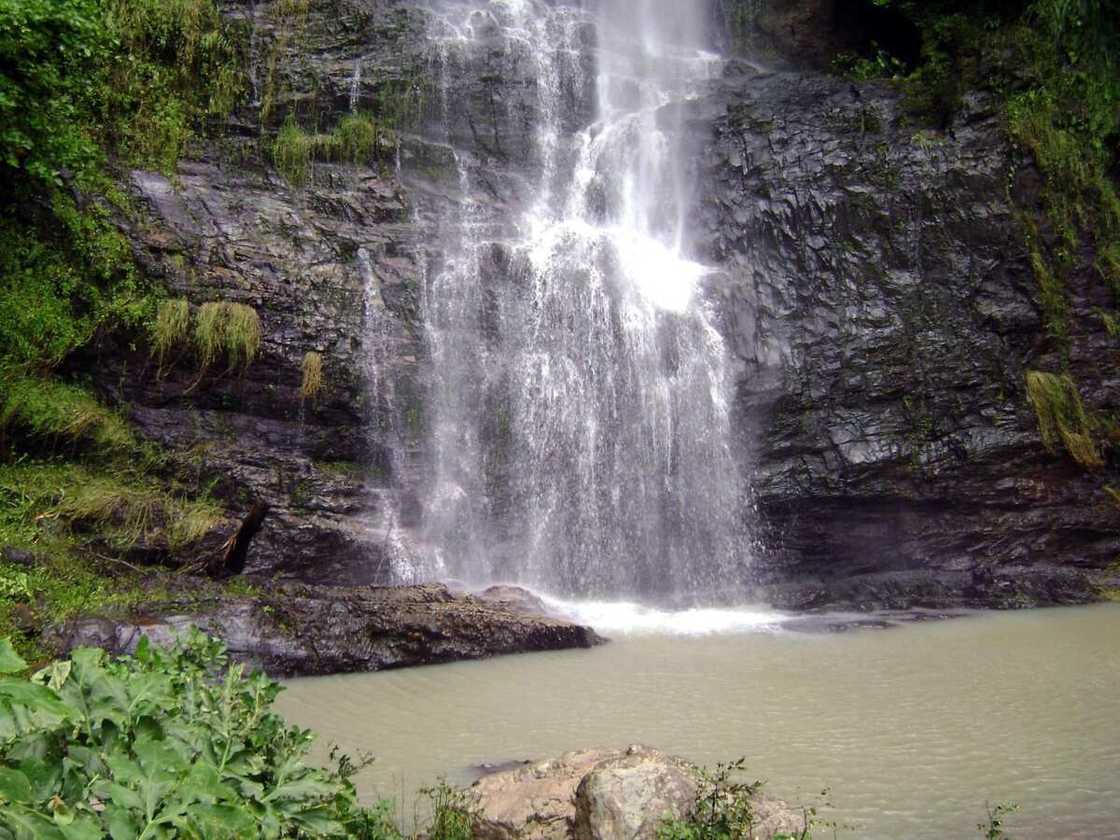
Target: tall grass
(312, 376)
(227, 329)
(1062, 418)
(49, 408)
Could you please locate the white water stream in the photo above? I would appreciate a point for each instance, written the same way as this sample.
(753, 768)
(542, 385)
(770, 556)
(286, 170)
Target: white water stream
(580, 424)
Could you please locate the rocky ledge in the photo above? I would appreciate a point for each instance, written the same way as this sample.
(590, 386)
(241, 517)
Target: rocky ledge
(305, 630)
(602, 794)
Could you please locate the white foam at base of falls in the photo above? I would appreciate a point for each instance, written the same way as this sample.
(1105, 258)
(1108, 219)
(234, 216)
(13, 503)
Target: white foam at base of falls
(630, 618)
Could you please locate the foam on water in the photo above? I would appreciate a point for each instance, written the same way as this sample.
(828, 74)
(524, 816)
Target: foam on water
(630, 618)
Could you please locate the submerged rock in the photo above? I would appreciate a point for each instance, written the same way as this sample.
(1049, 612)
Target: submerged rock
(600, 794)
(295, 630)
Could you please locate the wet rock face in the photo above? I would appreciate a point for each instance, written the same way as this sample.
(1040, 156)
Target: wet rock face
(873, 287)
(877, 294)
(302, 630)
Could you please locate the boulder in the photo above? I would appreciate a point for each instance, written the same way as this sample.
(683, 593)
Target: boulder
(599, 794)
(628, 797)
(303, 630)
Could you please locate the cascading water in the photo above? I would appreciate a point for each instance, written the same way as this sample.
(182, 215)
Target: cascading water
(579, 414)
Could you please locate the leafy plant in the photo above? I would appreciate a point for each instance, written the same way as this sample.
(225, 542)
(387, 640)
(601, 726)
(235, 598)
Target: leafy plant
(171, 328)
(452, 815)
(162, 744)
(723, 810)
(49, 408)
(357, 140)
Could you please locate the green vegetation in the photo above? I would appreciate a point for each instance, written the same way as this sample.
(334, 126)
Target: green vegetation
(312, 376)
(993, 828)
(221, 330)
(172, 325)
(162, 744)
(82, 526)
(174, 744)
(47, 408)
(357, 140)
(724, 809)
(89, 88)
(1062, 418)
(86, 84)
(232, 330)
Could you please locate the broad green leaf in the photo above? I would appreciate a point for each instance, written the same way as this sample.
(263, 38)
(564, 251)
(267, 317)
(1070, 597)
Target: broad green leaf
(123, 824)
(27, 825)
(36, 697)
(309, 787)
(121, 795)
(54, 675)
(43, 776)
(216, 821)
(85, 827)
(14, 786)
(10, 661)
(319, 823)
(203, 782)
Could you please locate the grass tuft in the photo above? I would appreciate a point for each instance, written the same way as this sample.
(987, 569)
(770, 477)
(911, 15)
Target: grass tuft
(291, 152)
(1062, 419)
(173, 323)
(355, 140)
(47, 408)
(312, 376)
(227, 329)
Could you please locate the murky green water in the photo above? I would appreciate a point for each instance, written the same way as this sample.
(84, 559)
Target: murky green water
(913, 729)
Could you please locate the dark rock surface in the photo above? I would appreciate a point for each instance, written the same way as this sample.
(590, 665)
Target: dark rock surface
(877, 292)
(873, 285)
(304, 630)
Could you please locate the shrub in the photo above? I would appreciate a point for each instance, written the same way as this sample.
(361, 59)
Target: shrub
(452, 814)
(120, 507)
(161, 744)
(134, 512)
(312, 376)
(355, 139)
(723, 809)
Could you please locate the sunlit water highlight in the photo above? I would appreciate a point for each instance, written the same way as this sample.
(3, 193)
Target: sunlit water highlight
(912, 728)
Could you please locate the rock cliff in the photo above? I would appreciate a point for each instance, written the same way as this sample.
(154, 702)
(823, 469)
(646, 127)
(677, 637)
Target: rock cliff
(872, 282)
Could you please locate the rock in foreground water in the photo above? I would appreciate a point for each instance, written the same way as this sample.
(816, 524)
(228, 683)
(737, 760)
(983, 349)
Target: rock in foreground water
(600, 794)
(297, 629)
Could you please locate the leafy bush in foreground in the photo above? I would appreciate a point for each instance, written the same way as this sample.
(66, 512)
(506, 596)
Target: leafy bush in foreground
(163, 744)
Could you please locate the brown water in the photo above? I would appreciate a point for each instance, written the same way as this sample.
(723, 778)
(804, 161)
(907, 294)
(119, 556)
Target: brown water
(913, 728)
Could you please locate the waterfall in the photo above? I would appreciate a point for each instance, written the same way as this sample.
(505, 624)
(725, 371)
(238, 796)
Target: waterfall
(579, 411)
